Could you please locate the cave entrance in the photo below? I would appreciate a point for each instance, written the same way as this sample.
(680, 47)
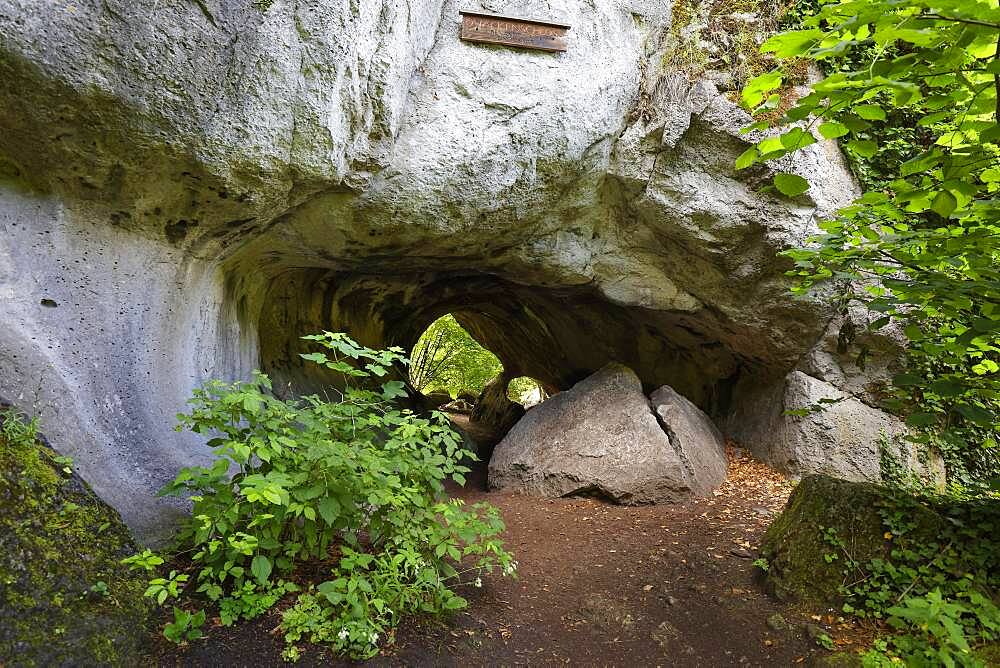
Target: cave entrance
(452, 371)
(526, 391)
(449, 367)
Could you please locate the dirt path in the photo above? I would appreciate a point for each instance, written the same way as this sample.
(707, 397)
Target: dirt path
(600, 585)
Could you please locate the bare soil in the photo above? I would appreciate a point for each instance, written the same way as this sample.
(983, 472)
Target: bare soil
(599, 585)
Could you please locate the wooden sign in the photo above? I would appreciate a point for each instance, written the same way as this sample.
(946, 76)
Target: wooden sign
(510, 31)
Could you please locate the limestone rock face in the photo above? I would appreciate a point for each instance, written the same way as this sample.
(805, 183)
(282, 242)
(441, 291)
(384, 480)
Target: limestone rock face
(603, 437)
(182, 199)
(830, 431)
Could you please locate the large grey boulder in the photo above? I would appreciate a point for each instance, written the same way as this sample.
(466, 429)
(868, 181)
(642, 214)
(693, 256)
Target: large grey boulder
(183, 198)
(804, 425)
(603, 437)
(692, 434)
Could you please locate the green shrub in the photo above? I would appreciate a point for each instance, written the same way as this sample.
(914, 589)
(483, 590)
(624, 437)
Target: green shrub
(356, 484)
(935, 589)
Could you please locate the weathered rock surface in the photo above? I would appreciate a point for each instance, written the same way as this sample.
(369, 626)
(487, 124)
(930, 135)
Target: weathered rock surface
(794, 544)
(183, 199)
(494, 410)
(602, 437)
(863, 517)
(693, 435)
(828, 432)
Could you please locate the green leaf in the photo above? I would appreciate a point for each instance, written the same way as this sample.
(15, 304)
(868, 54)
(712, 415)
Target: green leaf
(394, 389)
(864, 148)
(855, 124)
(832, 129)
(946, 388)
(944, 203)
(329, 509)
(977, 415)
(747, 158)
(869, 112)
(907, 380)
(796, 138)
(261, 568)
(791, 43)
(455, 603)
(921, 419)
(755, 90)
(790, 185)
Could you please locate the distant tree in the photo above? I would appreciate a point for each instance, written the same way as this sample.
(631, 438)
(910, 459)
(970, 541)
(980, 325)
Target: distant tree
(446, 358)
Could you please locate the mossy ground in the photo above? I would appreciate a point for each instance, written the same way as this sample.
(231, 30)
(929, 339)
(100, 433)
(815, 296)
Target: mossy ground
(64, 597)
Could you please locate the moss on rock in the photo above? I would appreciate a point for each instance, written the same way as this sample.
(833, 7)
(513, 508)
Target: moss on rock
(64, 597)
(796, 547)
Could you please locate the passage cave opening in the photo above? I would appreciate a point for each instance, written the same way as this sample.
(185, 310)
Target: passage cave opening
(449, 367)
(452, 371)
(527, 391)
(516, 330)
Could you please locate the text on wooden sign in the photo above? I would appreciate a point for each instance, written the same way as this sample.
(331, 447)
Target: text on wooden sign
(510, 31)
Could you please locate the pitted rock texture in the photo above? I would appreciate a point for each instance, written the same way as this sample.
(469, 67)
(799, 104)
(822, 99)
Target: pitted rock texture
(604, 438)
(182, 199)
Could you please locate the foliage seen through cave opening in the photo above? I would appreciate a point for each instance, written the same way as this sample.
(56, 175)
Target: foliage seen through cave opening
(447, 359)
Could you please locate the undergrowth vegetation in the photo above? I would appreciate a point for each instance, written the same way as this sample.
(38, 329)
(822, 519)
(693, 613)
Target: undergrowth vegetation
(352, 486)
(936, 587)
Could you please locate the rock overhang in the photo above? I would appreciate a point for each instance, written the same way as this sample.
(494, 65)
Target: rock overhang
(271, 174)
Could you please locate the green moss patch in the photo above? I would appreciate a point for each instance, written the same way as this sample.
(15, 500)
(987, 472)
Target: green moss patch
(803, 564)
(64, 597)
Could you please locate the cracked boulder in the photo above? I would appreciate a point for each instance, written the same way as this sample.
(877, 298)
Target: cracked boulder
(604, 438)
